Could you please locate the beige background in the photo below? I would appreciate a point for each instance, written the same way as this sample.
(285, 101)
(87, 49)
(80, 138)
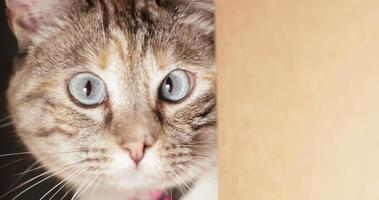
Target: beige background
(298, 99)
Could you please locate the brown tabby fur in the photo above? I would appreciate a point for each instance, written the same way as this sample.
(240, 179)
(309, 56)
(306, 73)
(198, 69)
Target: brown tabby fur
(131, 45)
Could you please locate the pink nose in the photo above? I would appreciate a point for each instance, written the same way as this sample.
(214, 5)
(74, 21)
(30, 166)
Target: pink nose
(136, 150)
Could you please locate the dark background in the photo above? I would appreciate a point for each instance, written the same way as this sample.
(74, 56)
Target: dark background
(11, 165)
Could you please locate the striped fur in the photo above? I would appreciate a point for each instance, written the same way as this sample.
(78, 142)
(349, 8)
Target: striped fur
(131, 45)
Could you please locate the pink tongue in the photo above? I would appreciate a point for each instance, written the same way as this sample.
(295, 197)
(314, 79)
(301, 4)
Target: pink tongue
(159, 195)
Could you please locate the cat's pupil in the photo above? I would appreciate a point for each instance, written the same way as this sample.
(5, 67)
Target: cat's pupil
(87, 89)
(169, 84)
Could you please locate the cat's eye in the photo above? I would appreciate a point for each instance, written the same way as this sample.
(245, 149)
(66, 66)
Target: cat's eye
(176, 86)
(87, 89)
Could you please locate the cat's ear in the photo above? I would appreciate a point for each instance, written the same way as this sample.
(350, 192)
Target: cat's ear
(27, 17)
(202, 14)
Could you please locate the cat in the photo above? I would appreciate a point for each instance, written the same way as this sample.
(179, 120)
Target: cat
(117, 98)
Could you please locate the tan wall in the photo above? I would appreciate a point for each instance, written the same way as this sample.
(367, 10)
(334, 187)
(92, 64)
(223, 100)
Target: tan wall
(298, 99)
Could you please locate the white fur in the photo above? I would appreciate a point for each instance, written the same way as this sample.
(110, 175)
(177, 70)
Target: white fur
(206, 188)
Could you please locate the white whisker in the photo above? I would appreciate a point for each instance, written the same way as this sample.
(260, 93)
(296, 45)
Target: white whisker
(197, 146)
(185, 178)
(32, 179)
(22, 175)
(204, 157)
(31, 170)
(67, 181)
(90, 182)
(54, 174)
(201, 164)
(34, 152)
(6, 124)
(68, 192)
(82, 185)
(178, 184)
(97, 180)
(202, 143)
(61, 182)
(12, 162)
(5, 118)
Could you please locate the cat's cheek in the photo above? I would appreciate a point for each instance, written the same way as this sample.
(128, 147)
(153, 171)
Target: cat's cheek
(24, 118)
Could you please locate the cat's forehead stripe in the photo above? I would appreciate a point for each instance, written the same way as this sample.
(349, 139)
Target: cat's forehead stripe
(114, 46)
(119, 47)
(103, 58)
(161, 59)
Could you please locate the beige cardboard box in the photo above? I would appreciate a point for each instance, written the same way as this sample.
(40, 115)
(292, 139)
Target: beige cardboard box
(298, 99)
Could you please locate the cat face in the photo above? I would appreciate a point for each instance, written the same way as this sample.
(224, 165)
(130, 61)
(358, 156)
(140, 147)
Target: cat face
(116, 92)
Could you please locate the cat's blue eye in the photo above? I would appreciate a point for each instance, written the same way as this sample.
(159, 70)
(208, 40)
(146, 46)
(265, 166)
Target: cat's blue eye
(87, 89)
(175, 87)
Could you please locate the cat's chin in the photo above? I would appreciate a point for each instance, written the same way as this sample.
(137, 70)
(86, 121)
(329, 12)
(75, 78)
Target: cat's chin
(130, 182)
(118, 188)
(123, 182)
(116, 194)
